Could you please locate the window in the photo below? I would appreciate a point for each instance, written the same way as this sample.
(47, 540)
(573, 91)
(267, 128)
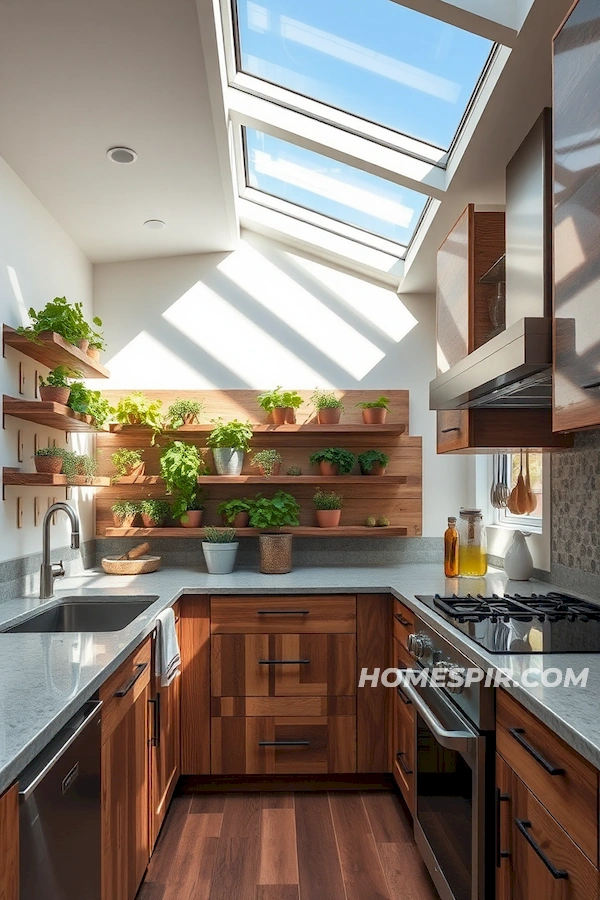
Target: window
(376, 60)
(323, 185)
(533, 520)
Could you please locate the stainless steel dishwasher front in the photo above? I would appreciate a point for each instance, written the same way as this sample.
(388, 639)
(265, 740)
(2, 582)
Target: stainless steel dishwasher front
(60, 810)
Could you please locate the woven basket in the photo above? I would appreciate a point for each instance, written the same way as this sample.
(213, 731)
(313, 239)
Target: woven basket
(275, 553)
(112, 565)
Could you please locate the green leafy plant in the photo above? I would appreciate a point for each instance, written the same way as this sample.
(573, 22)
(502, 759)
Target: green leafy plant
(277, 511)
(371, 458)
(267, 460)
(64, 318)
(58, 377)
(381, 403)
(328, 500)
(234, 434)
(325, 400)
(125, 509)
(96, 338)
(137, 409)
(294, 470)
(184, 412)
(279, 398)
(79, 465)
(180, 466)
(90, 403)
(219, 535)
(229, 509)
(157, 510)
(124, 460)
(343, 459)
(51, 451)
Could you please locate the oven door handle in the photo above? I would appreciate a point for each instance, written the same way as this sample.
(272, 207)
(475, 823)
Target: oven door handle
(463, 740)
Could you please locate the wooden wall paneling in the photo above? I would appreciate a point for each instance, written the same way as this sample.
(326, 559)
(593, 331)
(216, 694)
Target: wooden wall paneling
(374, 704)
(9, 844)
(489, 243)
(195, 685)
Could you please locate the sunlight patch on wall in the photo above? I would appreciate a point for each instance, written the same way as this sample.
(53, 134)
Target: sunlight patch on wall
(146, 364)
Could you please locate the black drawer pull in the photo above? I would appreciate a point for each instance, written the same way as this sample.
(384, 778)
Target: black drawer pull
(448, 430)
(592, 384)
(550, 769)
(129, 684)
(284, 743)
(400, 757)
(155, 701)
(403, 621)
(500, 853)
(523, 825)
(283, 612)
(283, 662)
(403, 696)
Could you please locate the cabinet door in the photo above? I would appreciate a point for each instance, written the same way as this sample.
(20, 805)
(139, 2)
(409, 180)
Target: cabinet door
(504, 829)
(452, 430)
(454, 289)
(9, 844)
(403, 761)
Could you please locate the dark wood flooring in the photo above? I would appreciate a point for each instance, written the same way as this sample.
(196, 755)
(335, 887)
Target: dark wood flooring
(300, 846)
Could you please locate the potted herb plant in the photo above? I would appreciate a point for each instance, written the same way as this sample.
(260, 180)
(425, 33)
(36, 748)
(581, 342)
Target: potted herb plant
(294, 470)
(137, 409)
(64, 318)
(271, 514)
(184, 412)
(329, 407)
(125, 513)
(236, 512)
(79, 468)
(90, 403)
(373, 462)
(55, 388)
(268, 462)
(180, 466)
(328, 505)
(96, 341)
(333, 461)
(280, 405)
(128, 464)
(220, 550)
(49, 460)
(374, 412)
(154, 512)
(229, 441)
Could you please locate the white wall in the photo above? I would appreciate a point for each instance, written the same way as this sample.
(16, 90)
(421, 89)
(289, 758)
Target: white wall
(264, 315)
(38, 261)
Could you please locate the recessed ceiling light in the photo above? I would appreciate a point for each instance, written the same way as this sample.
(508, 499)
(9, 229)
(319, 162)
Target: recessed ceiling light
(154, 224)
(122, 155)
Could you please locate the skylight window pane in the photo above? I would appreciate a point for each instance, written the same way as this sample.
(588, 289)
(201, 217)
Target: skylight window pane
(372, 58)
(331, 188)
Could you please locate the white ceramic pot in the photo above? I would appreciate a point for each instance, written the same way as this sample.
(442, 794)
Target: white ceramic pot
(518, 562)
(220, 558)
(228, 461)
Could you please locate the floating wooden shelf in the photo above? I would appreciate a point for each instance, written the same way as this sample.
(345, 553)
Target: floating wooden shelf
(340, 480)
(350, 428)
(34, 479)
(52, 350)
(50, 415)
(299, 531)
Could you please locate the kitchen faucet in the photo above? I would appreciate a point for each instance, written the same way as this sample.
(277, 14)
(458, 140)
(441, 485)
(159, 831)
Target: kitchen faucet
(49, 571)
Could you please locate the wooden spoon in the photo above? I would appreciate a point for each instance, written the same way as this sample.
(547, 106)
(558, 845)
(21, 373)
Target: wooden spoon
(531, 498)
(517, 499)
(136, 552)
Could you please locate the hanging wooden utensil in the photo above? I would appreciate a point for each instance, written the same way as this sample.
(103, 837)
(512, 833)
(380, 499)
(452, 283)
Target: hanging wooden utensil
(531, 498)
(515, 501)
(522, 499)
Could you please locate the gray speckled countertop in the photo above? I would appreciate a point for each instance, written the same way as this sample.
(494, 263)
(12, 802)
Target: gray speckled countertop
(44, 678)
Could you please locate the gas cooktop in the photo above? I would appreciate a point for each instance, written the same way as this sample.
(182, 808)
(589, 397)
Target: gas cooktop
(512, 623)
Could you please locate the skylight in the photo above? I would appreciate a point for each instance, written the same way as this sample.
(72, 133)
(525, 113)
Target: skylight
(321, 184)
(376, 60)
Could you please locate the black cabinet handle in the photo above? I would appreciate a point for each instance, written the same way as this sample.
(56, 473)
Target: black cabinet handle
(283, 612)
(400, 757)
(155, 701)
(284, 743)
(448, 430)
(283, 662)
(403, 696)
(523, 825)
(549, 768)
(500, 854)
(403, 621)
(129, 684)
(592, 384)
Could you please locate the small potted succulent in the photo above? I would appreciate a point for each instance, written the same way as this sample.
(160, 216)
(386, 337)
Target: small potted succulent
(184, 412)
(229, 441)
(180, 466)
(154, 512)
(333, 461)
(128, 464)
(79, 468)
(220, 550)
(280, 405)
(236, 512)
(374, 412)
(329, 407)
(328, 505)
(55, 388)
(125, 513)
(49, 460)
(373, 462)
(268, 462)
(271, 514)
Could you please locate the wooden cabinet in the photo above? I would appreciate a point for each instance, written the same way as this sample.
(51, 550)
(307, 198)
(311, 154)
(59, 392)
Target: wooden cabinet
(195, 684)
(285, 614)
(125, 784)
(403, 719)
(576, 220)
(9, 844)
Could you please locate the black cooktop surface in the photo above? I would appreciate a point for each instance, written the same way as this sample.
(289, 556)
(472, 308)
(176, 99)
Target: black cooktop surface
(515, 623)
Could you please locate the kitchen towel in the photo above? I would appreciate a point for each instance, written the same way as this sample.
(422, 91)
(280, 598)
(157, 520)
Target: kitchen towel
(168, 659)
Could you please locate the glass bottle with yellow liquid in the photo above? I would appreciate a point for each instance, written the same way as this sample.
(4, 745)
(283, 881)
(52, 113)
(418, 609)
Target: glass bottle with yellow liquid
(472, 549)
(451, 549)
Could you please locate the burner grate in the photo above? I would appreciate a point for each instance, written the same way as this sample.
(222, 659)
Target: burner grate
(552, 606)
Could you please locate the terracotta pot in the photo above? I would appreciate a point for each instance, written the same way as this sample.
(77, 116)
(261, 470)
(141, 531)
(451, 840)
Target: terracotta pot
(275, 553)
(283, 415)
(192, 518)
(127, 522)
(328, 518)
(328, 469)
(240, 521)
(276, 470)
(376, 415)
(93, 353)
(148, 521)
(48, 465)
(83, 345)
(133, 419)
(376, 469)
(50, 394)
(329, 416)
(189, 419)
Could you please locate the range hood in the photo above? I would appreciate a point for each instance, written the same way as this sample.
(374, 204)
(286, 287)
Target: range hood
(513, 369)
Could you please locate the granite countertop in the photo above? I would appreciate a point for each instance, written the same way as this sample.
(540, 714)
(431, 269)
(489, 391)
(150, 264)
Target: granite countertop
(45, 678)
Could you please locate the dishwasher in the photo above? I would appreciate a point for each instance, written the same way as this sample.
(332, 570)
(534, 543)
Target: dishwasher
(59, 816)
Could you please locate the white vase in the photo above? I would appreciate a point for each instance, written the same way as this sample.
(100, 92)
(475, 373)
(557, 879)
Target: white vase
(518, 562)
(220, 558)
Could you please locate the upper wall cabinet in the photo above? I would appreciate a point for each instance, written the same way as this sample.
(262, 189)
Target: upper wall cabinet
(577, 219)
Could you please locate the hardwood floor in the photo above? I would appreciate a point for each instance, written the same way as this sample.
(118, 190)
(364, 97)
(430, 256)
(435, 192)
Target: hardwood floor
(300, 846)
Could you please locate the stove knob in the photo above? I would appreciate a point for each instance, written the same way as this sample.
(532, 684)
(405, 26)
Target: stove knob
(419, 645)
(456, 687)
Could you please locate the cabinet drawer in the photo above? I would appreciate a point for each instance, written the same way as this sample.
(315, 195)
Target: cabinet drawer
(280, 615)
(404, 622)
(283, 745)
(283, 706)
(279, 665)
(404, 750)
(565, 783)
(121, 690)
(452, 430)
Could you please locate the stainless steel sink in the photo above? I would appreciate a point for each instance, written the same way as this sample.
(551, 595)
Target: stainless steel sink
(89, 614)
